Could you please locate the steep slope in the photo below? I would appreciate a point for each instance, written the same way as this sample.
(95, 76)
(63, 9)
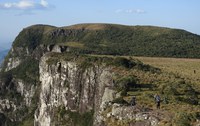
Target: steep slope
(84, 90)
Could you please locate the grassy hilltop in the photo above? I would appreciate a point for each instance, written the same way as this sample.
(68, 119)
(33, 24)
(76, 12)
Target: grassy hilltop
(114, 40)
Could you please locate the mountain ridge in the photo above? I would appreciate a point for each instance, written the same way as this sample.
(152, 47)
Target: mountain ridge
(114, 39)
(83, 25)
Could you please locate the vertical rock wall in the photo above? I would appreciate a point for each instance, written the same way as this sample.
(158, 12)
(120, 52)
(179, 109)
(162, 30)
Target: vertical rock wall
(67, 84)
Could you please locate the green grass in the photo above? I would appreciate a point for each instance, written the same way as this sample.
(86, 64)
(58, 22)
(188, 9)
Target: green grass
(188, 69)
(177, 82)
(73, 44)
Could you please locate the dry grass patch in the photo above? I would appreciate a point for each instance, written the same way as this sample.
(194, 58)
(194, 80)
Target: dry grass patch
(189, 68)
(87, 26)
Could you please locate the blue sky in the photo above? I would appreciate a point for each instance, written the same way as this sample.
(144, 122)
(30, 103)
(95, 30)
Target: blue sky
(18, 14)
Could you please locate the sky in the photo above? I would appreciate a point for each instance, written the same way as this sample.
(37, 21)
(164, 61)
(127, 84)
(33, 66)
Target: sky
(18, 14)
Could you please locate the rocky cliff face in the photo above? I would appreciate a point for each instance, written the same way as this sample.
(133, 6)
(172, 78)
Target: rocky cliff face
(67, 85)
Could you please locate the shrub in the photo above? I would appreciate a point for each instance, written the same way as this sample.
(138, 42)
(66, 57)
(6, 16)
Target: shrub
(119, 61)
(84, 119)
(184, 119)
(28, 70)
(120, 100)
(124, 84)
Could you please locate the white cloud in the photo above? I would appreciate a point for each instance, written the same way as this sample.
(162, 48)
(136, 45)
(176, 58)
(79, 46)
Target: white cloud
(131, 11)
(20, 5)
(140, 11)
(25, 5)
(44, 3)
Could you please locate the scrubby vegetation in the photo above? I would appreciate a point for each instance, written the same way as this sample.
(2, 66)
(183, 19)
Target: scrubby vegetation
(177, 84)
(120, 100)
(28, 71)
(69, 118)
(125, 84)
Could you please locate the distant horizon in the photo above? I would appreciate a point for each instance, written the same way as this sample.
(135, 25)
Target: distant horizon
(18, 14)
(162, 26)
